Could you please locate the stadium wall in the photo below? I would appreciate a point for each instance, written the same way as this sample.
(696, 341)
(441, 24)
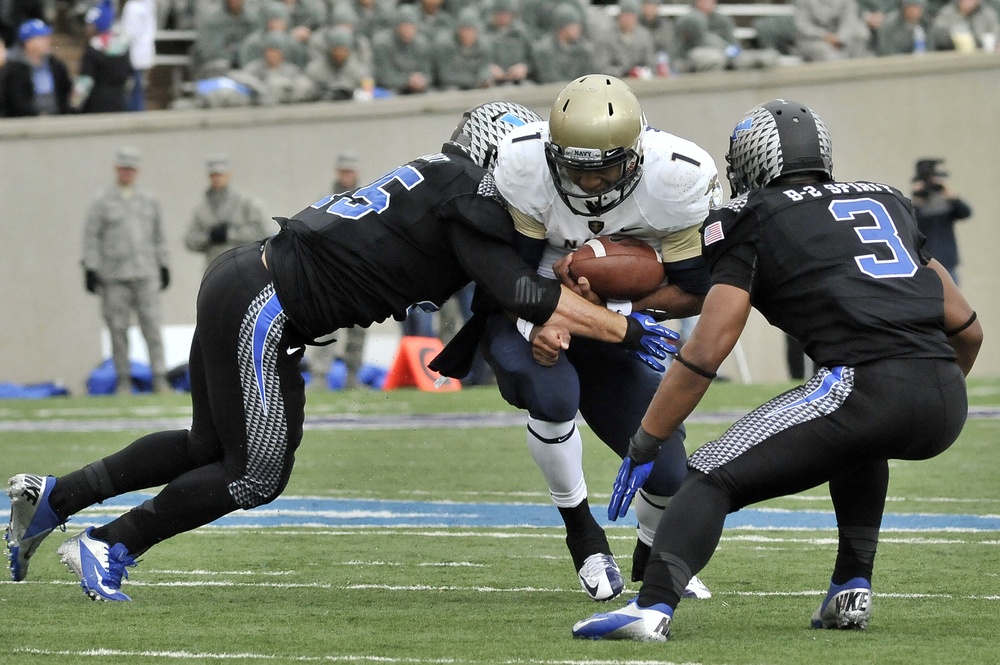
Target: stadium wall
(883, 114)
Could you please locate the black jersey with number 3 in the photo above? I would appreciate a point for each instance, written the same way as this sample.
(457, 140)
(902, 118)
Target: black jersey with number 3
(419, 233)
(837, 265)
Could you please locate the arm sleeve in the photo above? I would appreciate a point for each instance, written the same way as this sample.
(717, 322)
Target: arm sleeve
(527, 225)
(529, 249)
(196, 238)
(159, 240)
(495, 266)
(690, 275)
(960, 209)
(733, 260)
(91, 238)
(681, 245)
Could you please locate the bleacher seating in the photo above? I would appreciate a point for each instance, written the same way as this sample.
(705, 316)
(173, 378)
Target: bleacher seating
(173, 46)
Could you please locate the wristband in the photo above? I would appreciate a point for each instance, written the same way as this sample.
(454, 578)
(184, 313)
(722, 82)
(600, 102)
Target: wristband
(700, 371)
(623, 307)
(643, 446)
(525, 328)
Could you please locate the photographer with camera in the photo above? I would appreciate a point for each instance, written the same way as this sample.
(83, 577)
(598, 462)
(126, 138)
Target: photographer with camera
(937, 209)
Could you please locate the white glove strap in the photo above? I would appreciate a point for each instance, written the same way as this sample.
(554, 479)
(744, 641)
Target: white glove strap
(623, 307)
(525, 328)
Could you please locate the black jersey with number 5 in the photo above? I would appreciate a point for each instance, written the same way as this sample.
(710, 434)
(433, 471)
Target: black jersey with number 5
(419, 233)
(837, 265)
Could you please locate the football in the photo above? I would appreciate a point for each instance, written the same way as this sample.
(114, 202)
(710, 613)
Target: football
(618, 268)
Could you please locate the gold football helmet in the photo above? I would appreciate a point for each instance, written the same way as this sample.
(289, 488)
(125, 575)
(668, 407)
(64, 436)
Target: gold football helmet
(595, 146)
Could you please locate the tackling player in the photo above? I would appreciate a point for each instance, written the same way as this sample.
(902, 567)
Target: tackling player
(840, 267)
(419, 233)
(596, 168)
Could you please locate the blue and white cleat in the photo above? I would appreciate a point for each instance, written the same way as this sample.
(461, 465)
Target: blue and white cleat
(100, 568)
(847, 606)
(639, 624)
(696, 589)
(31, 519)
(600, 577)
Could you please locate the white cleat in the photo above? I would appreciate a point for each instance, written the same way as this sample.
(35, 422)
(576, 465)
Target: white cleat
(639, 624)
(600, 577)
(696, 589)
(99, 567)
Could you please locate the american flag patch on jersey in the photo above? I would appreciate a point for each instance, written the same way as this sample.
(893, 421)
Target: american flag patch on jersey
(713, 233)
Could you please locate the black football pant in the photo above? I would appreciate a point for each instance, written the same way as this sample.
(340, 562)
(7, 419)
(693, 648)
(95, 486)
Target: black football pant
(840, 427)
(248, 400)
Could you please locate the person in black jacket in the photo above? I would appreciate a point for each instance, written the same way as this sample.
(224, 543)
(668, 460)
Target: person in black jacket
(13, 13)
(418, 233)
(937, 209)
(106, 66)
(34, 82)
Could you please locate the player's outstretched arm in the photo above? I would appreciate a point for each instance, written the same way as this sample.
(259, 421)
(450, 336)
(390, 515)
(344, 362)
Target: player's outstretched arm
(965, 333)
(723, 318)
(688, 377)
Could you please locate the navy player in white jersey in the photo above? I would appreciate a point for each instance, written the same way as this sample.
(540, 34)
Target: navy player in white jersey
(419, 233)
(596, 168)
(840, 267)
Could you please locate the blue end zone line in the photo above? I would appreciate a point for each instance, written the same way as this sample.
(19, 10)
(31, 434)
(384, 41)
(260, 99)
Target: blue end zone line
(325, 512)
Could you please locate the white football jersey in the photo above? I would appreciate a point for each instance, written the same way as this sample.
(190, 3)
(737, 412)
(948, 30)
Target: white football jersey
(679, 184)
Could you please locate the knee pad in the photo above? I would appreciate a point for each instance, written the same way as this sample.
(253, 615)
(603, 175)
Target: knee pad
(648, 509)
(557, 449)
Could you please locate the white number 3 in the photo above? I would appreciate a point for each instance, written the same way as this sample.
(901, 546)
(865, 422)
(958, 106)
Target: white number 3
(883, 231)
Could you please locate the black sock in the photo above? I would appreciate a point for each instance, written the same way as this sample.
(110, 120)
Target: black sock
(584, 536)
(196, 498)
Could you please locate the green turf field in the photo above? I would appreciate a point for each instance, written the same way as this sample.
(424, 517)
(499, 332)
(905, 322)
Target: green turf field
(378, 593)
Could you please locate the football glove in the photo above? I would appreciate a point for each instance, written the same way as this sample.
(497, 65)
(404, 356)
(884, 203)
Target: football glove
(219, 233)
(91, 280)
(164, 277)
(631, 476)
(648, 341)
(635, 469)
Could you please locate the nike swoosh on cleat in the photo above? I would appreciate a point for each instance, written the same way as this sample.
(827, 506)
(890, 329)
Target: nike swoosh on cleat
(587, 622)
(96, 572)
(592, 590)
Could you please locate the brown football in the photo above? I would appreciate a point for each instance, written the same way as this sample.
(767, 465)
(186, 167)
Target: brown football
(618, 268)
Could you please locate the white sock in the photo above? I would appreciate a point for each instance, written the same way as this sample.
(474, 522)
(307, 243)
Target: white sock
(557, 449)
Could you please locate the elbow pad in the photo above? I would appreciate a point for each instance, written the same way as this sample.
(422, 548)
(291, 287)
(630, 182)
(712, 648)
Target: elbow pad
(535, 298)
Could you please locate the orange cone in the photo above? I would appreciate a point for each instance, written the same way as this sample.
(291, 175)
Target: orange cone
(409, 368)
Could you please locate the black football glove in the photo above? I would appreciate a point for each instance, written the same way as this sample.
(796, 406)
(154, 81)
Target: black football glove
(218, 233)
(91, 280)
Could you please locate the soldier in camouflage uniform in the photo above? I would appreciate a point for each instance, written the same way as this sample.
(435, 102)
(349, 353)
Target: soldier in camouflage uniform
(226, 218)
(511, 43)
(125, 261)
(216, 46)
(626, 48)
(462, 55)
(403, 59)
(564, 53)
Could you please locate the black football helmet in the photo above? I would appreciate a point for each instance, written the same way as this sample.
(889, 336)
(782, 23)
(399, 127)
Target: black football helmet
(774, 139)
(482, 127)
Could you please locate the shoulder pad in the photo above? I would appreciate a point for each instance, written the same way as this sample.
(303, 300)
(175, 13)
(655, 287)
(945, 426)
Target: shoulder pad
(681, 180)
(521, 173)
